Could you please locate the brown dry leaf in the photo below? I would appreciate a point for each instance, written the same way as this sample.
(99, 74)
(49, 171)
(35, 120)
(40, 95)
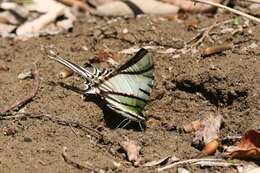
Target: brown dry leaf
(193, 126)
(132, 150)
(209, 128)
(79, 4)
(254, 170)
(248, 148)
(206, 136)
(113, 58)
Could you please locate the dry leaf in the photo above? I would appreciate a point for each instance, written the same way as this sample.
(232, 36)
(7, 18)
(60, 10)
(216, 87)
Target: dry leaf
(188, 5)
(193, 126)
(254, 170)
(78, 4)
(33, 27)
(120, 8)
(207, 135)
(248, 148)
(132, 150)
(248, 168)
(109, 56)
(209, 129)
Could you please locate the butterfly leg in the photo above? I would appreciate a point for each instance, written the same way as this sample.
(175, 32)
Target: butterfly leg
(141, 126)
(127, 123)
(124, 120)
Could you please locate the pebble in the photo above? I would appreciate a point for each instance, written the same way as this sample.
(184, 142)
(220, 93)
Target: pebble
(27, 139)
(25, 75)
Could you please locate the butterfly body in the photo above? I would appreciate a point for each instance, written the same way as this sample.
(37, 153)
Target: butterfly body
(126, 90)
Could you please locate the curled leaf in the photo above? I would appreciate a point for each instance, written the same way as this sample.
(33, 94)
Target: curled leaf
(248, 148)
(209, 129)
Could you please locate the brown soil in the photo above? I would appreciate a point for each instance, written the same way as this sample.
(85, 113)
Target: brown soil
(188, 87)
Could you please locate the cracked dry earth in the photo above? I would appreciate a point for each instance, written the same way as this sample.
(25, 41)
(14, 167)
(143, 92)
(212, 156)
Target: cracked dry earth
(188, 87)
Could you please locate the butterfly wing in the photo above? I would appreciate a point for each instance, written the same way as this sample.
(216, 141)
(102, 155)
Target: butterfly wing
(128, 89)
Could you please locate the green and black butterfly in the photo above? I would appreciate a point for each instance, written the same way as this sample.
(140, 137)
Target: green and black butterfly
(125, 90)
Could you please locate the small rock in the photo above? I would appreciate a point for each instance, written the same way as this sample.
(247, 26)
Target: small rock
(4, 68)
(27, 139)
(25, 75)
(182, 170)
(65, 73)
(125, 31)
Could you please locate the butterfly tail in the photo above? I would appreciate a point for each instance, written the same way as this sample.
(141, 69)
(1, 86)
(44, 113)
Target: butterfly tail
(74, 67)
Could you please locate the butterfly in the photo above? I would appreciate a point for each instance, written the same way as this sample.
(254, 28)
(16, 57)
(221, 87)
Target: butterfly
(125, 90)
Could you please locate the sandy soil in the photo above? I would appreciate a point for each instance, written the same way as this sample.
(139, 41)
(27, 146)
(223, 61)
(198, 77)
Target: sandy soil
(188, 87)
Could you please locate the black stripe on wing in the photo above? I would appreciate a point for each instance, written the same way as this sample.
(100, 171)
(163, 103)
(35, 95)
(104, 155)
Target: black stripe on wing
(139, 55)
(138, 72)
(150, 85)
(148, 76)
(123, 94)
(119, 110)
(122, 103)
(145, 91)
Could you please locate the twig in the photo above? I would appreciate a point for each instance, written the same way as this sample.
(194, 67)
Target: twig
(54, 119)
(216, 49)
(253, 1)
(221, 164)
(74, 3)
(73, 130)
(199, 38)
(27, 98)
(229, 9)
(73, 163)
(187, 161)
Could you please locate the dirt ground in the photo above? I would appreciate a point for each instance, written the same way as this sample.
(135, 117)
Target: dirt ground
(188, 87)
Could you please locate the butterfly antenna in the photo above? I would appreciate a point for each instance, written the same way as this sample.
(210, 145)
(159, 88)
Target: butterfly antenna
(74, 67)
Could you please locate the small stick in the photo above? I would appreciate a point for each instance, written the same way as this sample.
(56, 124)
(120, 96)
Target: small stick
(201, 36)
(73, 130)
(229, 9)
(74, 124)
(81, 5)
(187, 161)
(205, 32)
(210, 163)
(27, 98)
(73, 163)
(216, 49)
(253, 1)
